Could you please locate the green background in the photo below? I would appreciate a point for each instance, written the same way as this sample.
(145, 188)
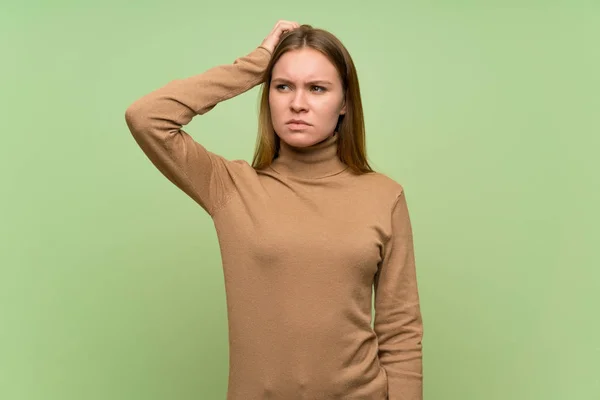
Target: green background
(487, 112)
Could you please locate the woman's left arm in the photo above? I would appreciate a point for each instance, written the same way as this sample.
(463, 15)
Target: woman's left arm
(398, 322)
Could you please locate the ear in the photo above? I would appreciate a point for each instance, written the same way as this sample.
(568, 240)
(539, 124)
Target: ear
(343, 110)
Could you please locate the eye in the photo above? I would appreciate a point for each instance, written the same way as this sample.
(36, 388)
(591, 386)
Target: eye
(281, 86)
(321, 88)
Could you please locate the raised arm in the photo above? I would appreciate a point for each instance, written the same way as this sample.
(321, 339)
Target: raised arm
(398, 323)
(155, 121)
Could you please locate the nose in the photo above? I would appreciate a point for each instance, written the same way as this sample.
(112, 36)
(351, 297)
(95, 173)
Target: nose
(298, 102)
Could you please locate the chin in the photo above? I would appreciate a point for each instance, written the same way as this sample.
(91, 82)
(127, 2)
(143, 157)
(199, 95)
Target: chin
(300, 139)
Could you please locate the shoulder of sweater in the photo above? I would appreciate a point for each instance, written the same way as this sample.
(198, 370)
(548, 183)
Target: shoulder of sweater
(384, 182)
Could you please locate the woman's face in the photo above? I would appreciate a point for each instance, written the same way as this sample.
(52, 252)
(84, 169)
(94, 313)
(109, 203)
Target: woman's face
(305, 86)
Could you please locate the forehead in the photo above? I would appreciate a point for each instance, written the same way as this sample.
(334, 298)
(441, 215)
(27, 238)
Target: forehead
(303, 64)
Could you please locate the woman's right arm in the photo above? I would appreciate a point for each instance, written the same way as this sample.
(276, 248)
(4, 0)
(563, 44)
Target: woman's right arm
(155, 121)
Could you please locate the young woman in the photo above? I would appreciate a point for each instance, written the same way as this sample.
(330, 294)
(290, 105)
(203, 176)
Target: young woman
(306, 232)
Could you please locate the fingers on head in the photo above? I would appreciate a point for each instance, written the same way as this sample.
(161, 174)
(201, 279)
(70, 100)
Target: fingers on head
(284, 23)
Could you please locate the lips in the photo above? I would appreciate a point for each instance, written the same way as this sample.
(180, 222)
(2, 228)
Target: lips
(297, 122)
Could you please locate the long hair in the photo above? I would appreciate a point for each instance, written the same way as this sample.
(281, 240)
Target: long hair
(350, 127)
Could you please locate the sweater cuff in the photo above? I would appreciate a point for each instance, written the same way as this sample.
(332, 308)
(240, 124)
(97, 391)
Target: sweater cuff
(265, 49)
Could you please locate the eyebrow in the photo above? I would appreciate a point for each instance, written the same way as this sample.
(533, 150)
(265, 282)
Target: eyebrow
(318, 81)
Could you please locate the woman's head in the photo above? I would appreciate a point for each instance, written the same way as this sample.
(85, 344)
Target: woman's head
(311, 77)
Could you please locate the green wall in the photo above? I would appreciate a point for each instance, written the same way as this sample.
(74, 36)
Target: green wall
(486, 111)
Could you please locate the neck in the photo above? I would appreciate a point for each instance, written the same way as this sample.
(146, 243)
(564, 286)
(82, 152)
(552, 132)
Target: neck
(317, 161)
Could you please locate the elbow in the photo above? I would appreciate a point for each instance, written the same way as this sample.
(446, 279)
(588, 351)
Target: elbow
(136, 117)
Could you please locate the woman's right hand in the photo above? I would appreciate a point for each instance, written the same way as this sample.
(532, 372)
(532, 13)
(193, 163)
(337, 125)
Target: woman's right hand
(281, 27)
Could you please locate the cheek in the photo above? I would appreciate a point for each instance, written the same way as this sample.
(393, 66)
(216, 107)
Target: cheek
(327, 108)
(275, 105)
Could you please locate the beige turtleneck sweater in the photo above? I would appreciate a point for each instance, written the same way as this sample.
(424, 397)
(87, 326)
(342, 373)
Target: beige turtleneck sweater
(303, 243)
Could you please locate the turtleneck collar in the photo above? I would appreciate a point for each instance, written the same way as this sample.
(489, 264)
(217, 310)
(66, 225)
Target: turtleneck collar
(317, 161)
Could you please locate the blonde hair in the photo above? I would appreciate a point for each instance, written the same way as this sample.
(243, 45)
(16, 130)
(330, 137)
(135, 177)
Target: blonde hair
(351, 126)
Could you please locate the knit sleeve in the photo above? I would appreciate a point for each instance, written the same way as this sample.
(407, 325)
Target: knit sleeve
(398, 322)
(155, 121)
